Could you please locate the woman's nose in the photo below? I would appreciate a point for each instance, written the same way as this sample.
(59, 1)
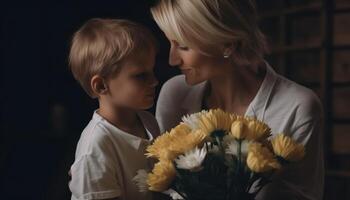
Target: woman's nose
(174, 58)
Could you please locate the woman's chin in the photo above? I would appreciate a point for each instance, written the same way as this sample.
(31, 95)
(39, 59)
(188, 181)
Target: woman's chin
(192, 81)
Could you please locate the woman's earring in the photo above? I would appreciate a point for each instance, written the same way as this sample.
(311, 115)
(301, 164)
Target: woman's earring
(227, 53)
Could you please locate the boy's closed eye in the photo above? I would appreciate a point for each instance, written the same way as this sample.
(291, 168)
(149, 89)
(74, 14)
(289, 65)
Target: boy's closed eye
(144, 76)
(141, 76)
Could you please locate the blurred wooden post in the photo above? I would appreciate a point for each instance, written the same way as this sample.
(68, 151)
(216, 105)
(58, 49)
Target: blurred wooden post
(326, 74)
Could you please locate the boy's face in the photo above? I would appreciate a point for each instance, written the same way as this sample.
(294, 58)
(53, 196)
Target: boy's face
(134, 85)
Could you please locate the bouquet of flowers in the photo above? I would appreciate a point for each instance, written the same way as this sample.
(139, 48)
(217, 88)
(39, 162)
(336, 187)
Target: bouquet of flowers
(216, 155)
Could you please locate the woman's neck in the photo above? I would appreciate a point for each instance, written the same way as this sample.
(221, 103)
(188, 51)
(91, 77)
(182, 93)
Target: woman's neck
(236, 90)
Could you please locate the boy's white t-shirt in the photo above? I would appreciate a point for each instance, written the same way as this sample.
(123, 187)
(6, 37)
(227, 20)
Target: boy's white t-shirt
(107, 159)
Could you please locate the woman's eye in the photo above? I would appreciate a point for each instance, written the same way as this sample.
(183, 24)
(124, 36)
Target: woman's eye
(176, 44)
(184, 48)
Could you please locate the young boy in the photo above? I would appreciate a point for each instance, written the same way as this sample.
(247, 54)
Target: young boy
(113, 61)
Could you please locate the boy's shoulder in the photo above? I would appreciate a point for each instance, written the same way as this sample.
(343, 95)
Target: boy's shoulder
(95, 138)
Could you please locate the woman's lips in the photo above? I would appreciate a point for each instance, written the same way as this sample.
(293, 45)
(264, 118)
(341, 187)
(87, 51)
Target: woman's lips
(185, 70)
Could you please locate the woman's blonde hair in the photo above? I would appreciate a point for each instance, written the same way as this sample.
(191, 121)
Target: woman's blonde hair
(209, 25)
(101, 46)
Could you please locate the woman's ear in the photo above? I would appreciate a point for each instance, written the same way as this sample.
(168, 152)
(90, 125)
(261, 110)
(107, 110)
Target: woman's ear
(98, 85)
(227, 50)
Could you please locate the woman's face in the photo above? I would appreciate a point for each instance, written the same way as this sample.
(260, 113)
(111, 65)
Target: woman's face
(196, 66)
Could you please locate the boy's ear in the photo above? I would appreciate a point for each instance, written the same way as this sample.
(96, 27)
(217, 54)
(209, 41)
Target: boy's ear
(98, 85)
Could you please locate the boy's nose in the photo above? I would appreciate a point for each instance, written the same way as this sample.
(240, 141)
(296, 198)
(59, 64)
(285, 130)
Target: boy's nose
(154, 81)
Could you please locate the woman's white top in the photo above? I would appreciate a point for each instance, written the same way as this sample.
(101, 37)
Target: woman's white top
(282, 104)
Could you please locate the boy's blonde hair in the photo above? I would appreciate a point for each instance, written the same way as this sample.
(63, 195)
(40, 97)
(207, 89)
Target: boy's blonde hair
(208, 25)
(101, 46)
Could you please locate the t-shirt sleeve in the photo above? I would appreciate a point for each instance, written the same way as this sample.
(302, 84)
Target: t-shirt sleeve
(93, 178)
(94, 173)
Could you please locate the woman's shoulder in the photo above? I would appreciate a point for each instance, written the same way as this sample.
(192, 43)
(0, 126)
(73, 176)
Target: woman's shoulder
(175, 89)
(294, 95)
(176, 84)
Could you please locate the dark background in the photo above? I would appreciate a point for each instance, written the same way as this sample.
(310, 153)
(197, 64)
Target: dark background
(43, 109)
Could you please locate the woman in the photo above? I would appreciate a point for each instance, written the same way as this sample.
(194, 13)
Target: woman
(219, 49)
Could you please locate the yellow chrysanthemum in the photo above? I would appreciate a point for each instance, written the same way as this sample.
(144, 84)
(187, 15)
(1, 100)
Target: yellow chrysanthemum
(196, 138)
(180, 130)
(187, 142)
(159, 147)
(239, 129)
(222, 120)
(287, 148)
(171, 144)
(260, 159)
(215, 119)
(257, 130)
(161, 177)
(205, 123)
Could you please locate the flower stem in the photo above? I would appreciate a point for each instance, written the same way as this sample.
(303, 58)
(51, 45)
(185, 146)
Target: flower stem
(239, 152)
(220, 145)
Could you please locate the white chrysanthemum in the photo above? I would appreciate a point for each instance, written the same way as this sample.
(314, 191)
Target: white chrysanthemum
(192, 120)
(232, 148)
(192, 159)
(174, 195)
(141, 180)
